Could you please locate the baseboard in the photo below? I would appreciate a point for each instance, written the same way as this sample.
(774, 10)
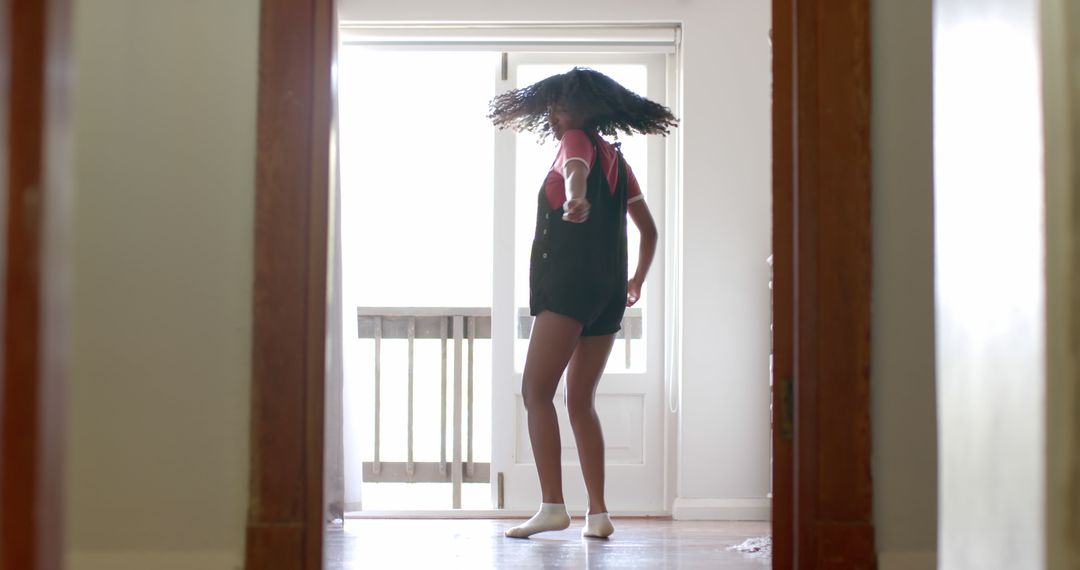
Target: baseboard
(155, 560)
(686, 509)
(922, 560)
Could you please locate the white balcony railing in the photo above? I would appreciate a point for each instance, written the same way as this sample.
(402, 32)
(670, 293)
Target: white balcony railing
(463, 325)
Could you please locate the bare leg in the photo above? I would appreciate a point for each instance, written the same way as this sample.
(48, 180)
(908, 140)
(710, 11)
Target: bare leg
(583, 376)
(552, 342)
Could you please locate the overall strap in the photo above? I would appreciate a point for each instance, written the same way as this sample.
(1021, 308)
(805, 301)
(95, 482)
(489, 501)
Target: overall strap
(622, 184)
(596, 176)
(597, 155)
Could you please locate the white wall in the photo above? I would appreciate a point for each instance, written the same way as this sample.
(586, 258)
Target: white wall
(726, 130)
(163, 232)
(990, 283)
(902, 300)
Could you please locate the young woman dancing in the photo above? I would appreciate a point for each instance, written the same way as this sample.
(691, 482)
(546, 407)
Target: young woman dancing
(578, 280)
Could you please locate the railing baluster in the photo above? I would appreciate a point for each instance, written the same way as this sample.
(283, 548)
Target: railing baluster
(472, 339)
(375, 466)
(409, 466)
(465, 326)
(627, 323)
(456, 475)
(442, 408)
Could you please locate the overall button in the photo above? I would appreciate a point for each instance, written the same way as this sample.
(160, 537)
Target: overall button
(547, 216)
(544, 256)
(545, 231)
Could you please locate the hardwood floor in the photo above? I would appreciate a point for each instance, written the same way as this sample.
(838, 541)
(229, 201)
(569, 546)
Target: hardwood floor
(480, 544)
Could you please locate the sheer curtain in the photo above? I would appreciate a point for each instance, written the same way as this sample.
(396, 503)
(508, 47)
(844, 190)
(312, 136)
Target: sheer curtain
(334, 471)
(335, 493)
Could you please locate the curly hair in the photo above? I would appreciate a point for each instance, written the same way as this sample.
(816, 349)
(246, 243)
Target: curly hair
(608, 108)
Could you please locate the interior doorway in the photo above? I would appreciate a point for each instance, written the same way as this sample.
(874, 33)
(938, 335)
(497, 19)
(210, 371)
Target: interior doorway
(439, 306)
(823, 495)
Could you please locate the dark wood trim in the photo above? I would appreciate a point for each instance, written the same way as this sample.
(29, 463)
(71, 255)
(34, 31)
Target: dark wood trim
(822, 242)
(325, 51)
(285, 517)
(783, 288)
(35, 68)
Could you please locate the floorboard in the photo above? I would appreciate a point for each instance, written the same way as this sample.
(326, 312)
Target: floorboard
(478, 544)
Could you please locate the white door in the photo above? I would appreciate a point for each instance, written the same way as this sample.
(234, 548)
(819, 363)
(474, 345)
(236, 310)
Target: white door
(630, 397)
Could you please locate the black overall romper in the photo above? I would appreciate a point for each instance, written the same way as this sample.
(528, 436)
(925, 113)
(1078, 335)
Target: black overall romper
(579, 269)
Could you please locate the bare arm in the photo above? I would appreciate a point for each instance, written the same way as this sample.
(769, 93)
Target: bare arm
(577, 207)
(642, 218)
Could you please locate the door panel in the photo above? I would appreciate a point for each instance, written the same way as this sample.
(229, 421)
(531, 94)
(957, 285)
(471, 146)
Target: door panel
(630, 397)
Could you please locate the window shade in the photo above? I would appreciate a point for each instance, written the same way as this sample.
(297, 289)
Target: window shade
(652, 38)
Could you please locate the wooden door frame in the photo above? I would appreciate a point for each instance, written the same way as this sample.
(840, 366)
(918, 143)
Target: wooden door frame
(35, 74)
(285, 511)
(822, 241)
(822, 515)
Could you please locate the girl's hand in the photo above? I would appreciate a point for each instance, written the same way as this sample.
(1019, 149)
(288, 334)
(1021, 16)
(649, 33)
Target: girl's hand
(633, 292)
(576, 210)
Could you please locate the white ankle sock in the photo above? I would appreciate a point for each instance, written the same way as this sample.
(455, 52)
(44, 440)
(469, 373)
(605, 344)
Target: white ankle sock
(551, 516)
(597, 525)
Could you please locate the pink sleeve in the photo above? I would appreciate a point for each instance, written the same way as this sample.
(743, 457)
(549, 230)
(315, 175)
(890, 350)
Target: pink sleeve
(633, 189)
(575, 145)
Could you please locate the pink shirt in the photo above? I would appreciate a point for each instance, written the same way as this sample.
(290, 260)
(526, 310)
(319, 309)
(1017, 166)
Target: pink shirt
(575, 145)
